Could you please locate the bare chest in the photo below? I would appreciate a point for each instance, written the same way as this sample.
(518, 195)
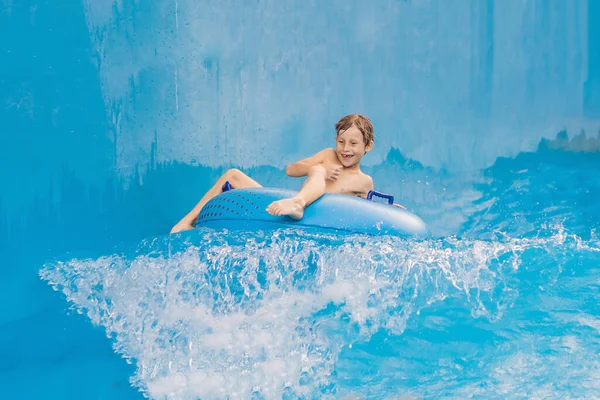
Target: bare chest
(349, 184)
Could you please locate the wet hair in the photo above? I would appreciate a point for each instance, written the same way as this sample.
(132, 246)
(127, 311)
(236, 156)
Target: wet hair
(362, 123)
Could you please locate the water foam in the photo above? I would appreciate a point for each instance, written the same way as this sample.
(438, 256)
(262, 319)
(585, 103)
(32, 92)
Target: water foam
(219, 315)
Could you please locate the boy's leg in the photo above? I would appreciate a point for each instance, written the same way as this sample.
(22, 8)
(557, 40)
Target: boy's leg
(313, 188)
(237, 179)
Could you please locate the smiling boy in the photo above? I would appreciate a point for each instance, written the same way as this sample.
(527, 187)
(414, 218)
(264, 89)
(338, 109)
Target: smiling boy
(328, 171)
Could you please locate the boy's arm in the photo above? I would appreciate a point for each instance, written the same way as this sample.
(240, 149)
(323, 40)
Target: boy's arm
(365, 187)
(369, 185)
(300, 168)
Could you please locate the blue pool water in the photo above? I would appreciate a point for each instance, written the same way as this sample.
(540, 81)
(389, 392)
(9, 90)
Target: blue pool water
(116, 116)
(497, 311)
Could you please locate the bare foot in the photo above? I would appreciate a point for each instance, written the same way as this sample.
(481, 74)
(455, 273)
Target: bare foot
(182, 226)
(293, 207)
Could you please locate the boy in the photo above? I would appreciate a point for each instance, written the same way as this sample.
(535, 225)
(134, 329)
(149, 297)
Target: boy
(328, 171)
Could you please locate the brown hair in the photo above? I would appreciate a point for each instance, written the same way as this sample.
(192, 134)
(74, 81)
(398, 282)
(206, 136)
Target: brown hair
(362, 123)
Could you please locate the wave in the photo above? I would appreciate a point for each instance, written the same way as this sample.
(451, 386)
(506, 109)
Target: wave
(211, 314)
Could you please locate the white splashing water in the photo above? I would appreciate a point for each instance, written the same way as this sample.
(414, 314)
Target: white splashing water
(217, 315)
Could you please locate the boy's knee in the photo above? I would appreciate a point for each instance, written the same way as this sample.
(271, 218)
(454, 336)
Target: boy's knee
(233, 174)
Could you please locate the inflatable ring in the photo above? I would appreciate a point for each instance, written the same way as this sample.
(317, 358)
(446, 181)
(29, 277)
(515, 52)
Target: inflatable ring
(245, 209)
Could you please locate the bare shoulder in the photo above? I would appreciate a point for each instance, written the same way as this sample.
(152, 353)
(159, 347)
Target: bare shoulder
(320, 157)
(329, 155)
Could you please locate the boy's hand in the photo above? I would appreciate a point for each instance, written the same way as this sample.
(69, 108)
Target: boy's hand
(333, 171)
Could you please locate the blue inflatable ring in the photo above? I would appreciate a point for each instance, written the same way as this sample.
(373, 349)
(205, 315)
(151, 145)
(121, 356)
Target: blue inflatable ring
(245, 209)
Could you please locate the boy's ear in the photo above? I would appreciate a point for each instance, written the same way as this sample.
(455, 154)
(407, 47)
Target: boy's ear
(369, 146)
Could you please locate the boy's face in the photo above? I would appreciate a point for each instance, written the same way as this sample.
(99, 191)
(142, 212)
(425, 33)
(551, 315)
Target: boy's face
(350, 146)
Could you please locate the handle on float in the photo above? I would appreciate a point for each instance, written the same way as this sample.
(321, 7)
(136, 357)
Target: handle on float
(379, 194)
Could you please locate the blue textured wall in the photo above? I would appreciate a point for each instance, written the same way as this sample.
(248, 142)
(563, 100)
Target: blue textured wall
(114, 111)
(495, 75)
